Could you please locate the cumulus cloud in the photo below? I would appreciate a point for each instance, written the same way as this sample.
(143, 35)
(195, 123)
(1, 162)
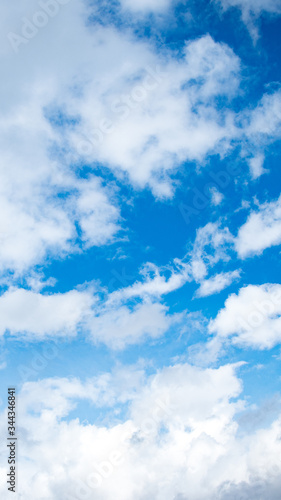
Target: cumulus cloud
(40, 200)
(125, 125)
(179, 439)
(69, 112)
(34, 315)
(265, 119)
(260, 127)
(261, 230)
(121, 325)
(252, 318)
(98, 217)
(79, 98)
(118, 319)
(43, 199)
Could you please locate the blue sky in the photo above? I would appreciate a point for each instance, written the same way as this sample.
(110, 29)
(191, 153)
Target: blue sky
(140, 233)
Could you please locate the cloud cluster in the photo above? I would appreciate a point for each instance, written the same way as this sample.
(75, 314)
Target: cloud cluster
(178, 440)
(252, 318)
(89, 107)
(128, 315)
(261, 230)
(94, 96)
(120, 326)
(117, 321)
(36, 316)
(126, 124)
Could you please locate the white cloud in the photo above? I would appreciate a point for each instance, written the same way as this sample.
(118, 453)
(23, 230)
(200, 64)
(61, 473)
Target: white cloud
(217, 283)
(179, 439)
(62, 394)
(216, 196)
(34, 315)
(256, 166)
(121, 325)
(41, 200)
(155, 283)
(252, 318)
(211, 245)
(265, 119)
(261, 230)
(125, 124)
(114, 319)
(53, 74)
(98, 218)
(260, 127)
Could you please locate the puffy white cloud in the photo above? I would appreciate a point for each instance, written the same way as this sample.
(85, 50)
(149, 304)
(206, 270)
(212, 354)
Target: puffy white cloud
(40, 196)
(265, 119)
(98, 217)
(217, 283)
(121, 325)
(34, 315)
(256, 166)
(103, 92)
(118, 319)
(178, 440)
(260, 127)
(110, 112)
(252, 318)
(40, 199)
(63, 394)
(216, 196)
(125, 124)
(261, 230)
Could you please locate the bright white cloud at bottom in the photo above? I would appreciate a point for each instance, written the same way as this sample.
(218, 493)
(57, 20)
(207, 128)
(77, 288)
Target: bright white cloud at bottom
(180, 439)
